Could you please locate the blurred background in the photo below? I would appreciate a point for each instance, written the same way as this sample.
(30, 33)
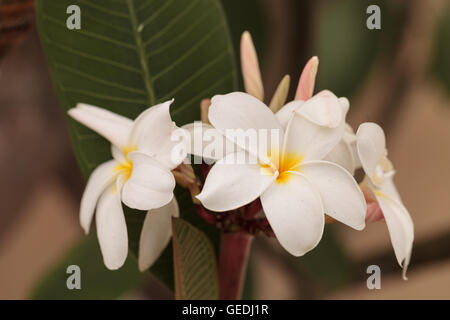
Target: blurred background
(398, 76)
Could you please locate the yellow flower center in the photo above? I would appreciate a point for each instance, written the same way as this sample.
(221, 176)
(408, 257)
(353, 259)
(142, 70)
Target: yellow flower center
(379, 193)
(285, 163)
(126, 167)
(127, 150)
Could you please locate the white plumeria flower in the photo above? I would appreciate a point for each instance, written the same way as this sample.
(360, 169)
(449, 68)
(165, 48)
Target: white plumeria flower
(371, 146)
(139, 176)
(344, 153)
(296, 187)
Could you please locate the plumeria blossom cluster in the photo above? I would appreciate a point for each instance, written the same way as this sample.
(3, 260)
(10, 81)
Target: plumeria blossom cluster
(139, 176)
(311, 175)
(284, 169)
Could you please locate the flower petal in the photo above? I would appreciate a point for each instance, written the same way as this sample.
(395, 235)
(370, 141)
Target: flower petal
(117, 154)
(231, 184)
(151, 126)
(307, 80)
(389, 188)
(208, 142)
(309, 139)
(350, 139)
(341, 196)
(324, 109)
(99, 180)
(345, 104)
(250, 67)
(111, 227)
(154, 134)
(150, 184)
(342, 155)
(156, 233)
(285, 114)
(242, 118)
(294, 211)
(400, 226)
(371, 146)
(175, 151)
(113, 127)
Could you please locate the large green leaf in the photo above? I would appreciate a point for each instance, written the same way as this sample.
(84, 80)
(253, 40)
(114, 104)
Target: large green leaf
(97, 282)
(194, 262)
(132, 54)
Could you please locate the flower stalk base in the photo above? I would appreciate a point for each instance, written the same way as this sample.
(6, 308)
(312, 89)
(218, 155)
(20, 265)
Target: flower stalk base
(233, 260)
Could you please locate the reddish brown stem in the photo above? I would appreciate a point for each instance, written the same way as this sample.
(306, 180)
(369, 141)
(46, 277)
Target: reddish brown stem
(205, 215)
(234, 252)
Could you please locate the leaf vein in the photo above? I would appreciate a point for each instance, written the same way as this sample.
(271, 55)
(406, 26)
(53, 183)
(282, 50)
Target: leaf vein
(90, 56)
(102, 96)
(104, 9)
(187, 53)
(156, 13)
(99, 80)
(180, 36)
(140, 49)
(195, 75)
(91, 34)
(171, 23)
(203, 93)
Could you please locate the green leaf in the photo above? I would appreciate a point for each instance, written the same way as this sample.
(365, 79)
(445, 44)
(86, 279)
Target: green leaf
(97, 282)
(128, 56)
(183, 50)
(195, 263)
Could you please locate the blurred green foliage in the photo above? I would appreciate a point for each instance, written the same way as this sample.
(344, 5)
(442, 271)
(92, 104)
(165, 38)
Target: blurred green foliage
(328, 264)
(243, 16)
(441, 50)
(97, 282)
(345, 46)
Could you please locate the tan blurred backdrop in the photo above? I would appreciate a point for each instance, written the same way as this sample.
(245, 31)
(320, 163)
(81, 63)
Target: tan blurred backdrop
(41, 184)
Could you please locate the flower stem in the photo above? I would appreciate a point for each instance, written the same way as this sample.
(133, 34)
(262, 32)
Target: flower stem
(234, 253)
